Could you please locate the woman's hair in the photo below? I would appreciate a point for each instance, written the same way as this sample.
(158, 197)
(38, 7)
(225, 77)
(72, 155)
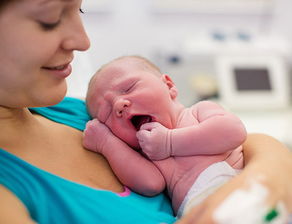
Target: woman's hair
(4, 3)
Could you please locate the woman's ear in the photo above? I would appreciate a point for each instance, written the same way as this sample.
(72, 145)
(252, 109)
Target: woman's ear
(171, 86)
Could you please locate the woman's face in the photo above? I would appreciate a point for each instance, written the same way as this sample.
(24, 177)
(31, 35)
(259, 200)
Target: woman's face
(37, 40)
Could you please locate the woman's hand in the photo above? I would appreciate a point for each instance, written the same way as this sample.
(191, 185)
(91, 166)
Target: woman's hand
(204, 212)
(271, 161)
(269, 164)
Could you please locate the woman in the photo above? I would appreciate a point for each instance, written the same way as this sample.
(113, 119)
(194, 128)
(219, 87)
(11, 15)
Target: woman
(46, 175)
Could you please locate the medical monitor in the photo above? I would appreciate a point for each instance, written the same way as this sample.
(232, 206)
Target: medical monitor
(253, 82)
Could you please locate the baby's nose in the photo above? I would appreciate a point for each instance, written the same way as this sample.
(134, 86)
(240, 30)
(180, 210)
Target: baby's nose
(120, 105)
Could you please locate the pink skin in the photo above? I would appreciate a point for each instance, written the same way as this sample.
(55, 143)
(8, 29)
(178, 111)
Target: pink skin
(181, 142)
(144, 178)
(122, 91)
(119, 94)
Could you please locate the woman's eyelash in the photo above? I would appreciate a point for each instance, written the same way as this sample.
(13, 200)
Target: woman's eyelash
(49, 26)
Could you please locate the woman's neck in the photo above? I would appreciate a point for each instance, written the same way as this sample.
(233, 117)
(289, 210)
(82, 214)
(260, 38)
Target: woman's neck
(12, 116)
(15, 122)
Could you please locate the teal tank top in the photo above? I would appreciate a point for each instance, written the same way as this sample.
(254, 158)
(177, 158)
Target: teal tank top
(51, 199)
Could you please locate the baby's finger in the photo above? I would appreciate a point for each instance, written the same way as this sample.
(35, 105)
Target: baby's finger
(142, 134)
(149, 126)
(92, 123)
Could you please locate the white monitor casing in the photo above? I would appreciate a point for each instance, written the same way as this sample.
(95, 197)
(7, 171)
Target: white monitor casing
(275, 97)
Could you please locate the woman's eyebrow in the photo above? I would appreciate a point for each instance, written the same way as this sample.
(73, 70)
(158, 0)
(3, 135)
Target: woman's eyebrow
(44, 2)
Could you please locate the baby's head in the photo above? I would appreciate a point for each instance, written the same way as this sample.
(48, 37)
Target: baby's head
(123, 62)
(129, 91)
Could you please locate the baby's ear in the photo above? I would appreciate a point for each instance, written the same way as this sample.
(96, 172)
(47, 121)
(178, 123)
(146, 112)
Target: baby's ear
(171, 86)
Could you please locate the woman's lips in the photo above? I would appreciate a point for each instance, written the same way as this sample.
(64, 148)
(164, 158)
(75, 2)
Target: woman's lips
(61, 71)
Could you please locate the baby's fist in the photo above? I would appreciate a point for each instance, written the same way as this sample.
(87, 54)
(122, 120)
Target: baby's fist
(154, 139)
(95, 135)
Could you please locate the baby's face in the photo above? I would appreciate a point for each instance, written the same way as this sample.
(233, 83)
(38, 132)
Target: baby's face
(126, 96)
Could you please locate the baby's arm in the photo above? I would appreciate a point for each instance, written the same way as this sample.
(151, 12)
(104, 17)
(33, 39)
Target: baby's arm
(133, 170)
(218, 131)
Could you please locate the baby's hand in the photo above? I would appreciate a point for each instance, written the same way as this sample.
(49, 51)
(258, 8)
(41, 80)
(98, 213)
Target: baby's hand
(155, 140)
(96, 135)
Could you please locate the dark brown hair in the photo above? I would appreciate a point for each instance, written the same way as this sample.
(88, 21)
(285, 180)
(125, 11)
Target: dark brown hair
(4, 3)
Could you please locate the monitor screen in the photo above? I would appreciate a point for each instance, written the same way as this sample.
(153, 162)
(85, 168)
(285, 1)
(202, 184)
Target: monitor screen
(255, 79)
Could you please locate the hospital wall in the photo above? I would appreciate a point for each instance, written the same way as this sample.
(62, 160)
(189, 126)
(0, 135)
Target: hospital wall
(136, 27)
(183, 42)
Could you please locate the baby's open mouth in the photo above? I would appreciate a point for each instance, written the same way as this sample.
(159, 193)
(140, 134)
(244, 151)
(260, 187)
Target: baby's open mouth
(139, 120)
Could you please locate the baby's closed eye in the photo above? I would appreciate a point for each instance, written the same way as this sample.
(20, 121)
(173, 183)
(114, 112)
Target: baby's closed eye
(129, 87)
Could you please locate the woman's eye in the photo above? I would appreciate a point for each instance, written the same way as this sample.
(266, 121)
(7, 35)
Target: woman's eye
(49, 26)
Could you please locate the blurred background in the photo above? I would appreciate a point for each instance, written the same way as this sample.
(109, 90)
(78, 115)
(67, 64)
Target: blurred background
(235, 52)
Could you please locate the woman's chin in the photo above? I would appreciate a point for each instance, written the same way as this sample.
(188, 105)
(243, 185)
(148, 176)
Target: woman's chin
(50, 98)
(57, 99)
(57, 96)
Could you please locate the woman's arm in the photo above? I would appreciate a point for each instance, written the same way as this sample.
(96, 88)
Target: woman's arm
(11, 209)
(267, 157)
(269, 163)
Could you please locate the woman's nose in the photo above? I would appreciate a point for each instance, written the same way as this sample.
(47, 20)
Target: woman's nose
(76, 37)
(120, 105)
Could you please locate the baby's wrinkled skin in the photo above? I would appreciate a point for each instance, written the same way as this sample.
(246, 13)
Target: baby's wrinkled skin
(135, 107)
